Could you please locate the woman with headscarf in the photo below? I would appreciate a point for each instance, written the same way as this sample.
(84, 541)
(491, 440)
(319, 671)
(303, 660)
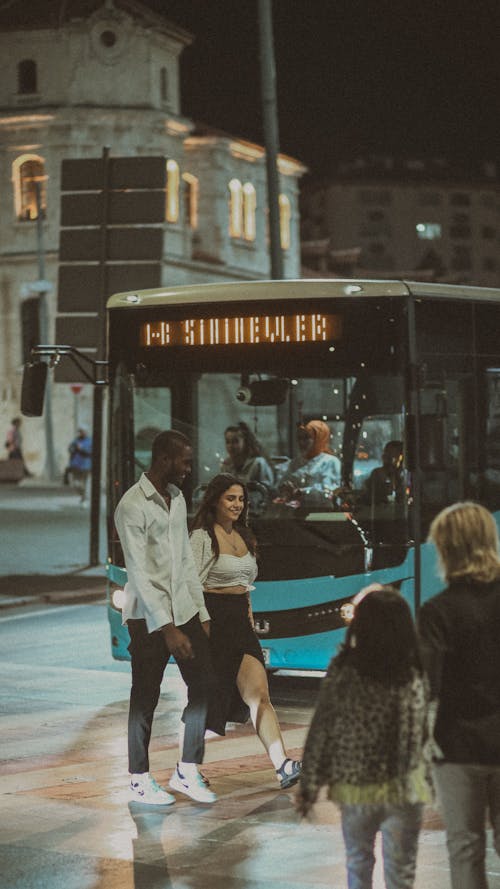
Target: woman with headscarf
(313, 476)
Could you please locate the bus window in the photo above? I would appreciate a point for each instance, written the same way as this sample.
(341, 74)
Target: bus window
(448, 454)
(152, 414)
(374, 434)
(492, 439)
(320, 528)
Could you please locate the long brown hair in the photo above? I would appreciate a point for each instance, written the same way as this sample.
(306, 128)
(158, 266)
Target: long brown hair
(251, 444)
(466, 538)
(381, 640)
(206, 512)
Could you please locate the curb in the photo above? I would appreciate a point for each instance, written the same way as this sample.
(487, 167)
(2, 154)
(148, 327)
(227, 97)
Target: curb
(61, 597)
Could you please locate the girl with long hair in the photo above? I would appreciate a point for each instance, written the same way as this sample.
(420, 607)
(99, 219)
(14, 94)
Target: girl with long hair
(224, 549)
(246, 459)
(367, 737)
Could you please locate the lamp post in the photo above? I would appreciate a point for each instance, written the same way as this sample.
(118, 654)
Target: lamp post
(271, 137)
(43, 288)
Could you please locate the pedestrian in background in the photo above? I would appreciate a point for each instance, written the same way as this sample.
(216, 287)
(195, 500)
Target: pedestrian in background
(460, 644)
(80, 463)
(165, 614)
(14, 442)
(366, 742)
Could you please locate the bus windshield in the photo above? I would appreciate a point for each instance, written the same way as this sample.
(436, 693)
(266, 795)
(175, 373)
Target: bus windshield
(305, 426)
(301, 503)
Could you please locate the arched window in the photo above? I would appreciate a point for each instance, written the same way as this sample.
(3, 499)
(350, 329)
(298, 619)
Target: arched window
(164, 84)
(235, 209)
(26, 77)
(191, 187)
(285, 216)
(172, 208)
(249, 207)
(27, 171)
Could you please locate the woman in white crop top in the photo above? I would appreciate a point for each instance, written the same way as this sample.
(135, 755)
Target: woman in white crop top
(224, 552)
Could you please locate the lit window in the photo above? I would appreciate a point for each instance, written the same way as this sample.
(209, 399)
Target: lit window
(428, 231)
(26, 77)
(285, 215)
(191, 188)
(249, 207)
(235, 209)
(27, 171)
(172, 210)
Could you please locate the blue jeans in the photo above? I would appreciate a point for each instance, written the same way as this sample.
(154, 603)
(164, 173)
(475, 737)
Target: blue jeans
(465, 793)
(399, 826)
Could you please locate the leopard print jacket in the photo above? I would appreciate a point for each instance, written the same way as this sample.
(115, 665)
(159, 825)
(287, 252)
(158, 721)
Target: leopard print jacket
(368, 742)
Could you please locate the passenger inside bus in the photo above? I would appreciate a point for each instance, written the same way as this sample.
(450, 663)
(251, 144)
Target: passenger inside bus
(386, 483)
(313, 476)
(246, 459)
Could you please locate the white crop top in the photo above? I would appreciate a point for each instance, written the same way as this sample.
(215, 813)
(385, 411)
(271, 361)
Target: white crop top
(232, 571)
(227, 570)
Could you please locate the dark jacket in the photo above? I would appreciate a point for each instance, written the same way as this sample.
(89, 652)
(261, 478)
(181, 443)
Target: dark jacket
(460, 642)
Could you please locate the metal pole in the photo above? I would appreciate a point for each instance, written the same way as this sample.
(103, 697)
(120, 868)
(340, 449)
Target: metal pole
(50, 463)
(76, 418)
(414, 395)
(271, 137)
(95, 491)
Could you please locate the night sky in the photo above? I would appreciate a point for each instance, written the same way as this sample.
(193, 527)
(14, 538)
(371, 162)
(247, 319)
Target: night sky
(354, 76)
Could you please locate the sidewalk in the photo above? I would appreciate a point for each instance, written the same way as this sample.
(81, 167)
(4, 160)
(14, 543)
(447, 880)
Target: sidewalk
(45, 546)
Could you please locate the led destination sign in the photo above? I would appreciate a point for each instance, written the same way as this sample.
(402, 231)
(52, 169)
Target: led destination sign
(241, 330)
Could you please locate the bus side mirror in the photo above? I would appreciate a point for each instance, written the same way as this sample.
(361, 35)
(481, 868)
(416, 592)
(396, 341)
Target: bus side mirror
(33, 388)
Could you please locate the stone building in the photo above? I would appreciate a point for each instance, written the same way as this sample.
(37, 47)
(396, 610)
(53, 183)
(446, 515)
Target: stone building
(387, 218)
(78, 76)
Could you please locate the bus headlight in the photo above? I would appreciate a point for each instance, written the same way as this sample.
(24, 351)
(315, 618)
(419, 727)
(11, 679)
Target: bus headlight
(118, 599)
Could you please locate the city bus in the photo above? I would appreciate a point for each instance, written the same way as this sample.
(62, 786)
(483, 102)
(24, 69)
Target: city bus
(377, 361)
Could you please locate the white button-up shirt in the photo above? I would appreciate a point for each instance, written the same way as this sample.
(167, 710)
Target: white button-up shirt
(163, 585)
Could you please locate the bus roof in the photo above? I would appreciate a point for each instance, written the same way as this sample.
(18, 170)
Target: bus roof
(303, 288)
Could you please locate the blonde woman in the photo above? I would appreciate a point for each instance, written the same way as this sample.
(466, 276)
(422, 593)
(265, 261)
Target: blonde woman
(460, 646)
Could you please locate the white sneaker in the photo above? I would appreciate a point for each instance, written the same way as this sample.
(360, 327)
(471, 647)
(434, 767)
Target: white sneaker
(144, 789)
(194, 786)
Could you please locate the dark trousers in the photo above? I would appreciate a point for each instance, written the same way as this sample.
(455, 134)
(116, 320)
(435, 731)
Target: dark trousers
(150, 655)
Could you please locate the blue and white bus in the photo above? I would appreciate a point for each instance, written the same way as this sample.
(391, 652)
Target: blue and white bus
(378, 361)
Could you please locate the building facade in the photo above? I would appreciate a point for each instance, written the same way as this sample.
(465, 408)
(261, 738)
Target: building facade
(380, 217)
(87, 75)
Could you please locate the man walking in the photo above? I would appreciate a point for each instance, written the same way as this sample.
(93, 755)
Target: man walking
(165, 613)
(80, 462)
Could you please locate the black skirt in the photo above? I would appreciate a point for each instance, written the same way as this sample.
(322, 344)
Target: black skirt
(231, 637)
